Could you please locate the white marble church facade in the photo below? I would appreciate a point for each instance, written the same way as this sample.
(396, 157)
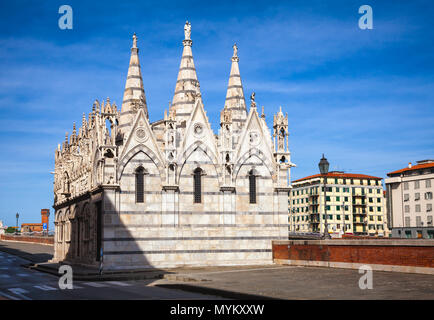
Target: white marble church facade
(171, 192)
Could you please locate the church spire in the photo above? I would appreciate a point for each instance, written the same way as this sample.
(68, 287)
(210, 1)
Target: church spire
(134, 93)
(235, 95)
(187, 88)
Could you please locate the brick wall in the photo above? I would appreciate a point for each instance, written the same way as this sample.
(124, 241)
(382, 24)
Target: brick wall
(44, 240)
(382, 252)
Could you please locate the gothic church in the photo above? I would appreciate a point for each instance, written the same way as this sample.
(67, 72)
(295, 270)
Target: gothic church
(138, 194)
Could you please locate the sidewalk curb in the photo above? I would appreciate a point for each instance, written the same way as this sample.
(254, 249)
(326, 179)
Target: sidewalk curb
(215, 292)
(119, 276)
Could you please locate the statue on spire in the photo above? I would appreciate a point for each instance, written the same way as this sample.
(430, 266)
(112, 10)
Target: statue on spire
(252, 101)
(134, 40)
(235, 50)
(187, 31)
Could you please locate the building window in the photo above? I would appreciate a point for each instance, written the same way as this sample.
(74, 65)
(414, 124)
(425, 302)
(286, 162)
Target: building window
(406, 197)
(429, 207)
(416, 184)
(405, 185)
(407, 222)
(417, 196)
(418, 208)
(428, 195)
(252, 187)
(407, 209)
(197, 185)
(140, 188)
(428, 183)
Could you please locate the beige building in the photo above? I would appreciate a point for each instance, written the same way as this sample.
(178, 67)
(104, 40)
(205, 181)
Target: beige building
(354, 205)
(410, 200)
(172, 192)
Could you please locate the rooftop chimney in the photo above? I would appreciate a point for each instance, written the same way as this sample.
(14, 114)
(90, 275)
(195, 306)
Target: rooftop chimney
(409, 165)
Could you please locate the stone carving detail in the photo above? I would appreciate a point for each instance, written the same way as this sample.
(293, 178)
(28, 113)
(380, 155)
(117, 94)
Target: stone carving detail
(141, 135)
(198, 130)
(254, 138)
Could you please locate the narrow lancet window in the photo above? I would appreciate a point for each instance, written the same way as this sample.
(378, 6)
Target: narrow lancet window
(140, 189)
(252, 187)
(197, 185)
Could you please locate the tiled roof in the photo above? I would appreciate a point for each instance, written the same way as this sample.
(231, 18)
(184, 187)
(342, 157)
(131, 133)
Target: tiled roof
(340, 175)
(415, 167)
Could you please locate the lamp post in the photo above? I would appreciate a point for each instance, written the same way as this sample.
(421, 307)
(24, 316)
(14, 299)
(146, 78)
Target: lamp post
(324, 169)
(17, 216)
(343, 218)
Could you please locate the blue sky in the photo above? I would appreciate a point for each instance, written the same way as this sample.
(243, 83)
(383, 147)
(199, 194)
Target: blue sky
(362, 97)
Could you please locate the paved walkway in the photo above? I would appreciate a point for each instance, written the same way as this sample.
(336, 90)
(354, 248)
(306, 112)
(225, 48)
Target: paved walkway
(272, 281)
(33, 252)
(18, 283)
(291, 282)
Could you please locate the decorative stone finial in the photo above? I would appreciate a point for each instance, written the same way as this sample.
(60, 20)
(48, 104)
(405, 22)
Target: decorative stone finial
(263, 113)
(134, 40)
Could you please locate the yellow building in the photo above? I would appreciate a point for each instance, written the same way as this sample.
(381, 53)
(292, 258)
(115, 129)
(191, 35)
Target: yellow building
(354, 204)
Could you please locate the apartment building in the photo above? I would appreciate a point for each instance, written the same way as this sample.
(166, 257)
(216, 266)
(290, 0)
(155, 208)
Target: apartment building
(355, 204)
(410, 200)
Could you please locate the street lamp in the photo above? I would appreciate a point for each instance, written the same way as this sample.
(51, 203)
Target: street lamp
(324, 169)
(17, 216)
(343, 218)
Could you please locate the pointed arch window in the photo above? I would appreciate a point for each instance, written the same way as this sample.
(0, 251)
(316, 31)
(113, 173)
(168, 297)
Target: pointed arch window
(140, 185)
(197, 185)
(252, 186)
